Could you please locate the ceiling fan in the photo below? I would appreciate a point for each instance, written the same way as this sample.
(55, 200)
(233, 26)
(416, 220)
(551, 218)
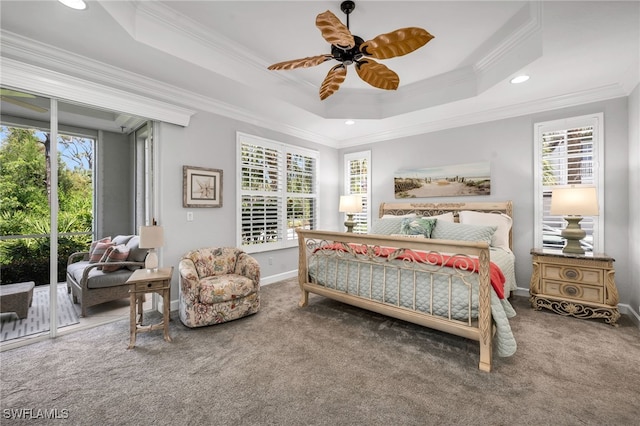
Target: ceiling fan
(350, 49)
(8, 95)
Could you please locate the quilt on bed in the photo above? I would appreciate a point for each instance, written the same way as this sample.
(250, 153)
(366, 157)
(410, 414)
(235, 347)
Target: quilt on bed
(388, 281)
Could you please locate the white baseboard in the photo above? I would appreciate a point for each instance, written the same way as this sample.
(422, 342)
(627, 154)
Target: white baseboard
(278, 277)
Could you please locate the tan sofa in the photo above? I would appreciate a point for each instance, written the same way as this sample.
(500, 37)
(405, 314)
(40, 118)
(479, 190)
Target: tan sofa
(90, 285)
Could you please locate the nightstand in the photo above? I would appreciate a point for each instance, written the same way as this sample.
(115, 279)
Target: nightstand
(581, 286)
(141, 282)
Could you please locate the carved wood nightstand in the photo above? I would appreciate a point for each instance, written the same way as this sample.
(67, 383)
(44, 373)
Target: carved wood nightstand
(581, 286)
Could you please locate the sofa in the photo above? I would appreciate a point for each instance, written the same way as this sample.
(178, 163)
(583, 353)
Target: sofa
(217, 284)
(100, 275)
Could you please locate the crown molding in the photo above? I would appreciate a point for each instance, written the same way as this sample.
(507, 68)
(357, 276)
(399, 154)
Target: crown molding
(58, 85)
(115, 80)
(450, 120)
(525, 24)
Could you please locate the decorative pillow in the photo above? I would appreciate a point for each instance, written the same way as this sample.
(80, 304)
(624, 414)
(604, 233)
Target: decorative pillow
(444, 217)
(98, 251)
(502, 221)
(95, 243)
(387, 226)
(113, 254)
(417, 226)
(461, 232)
(136, 254)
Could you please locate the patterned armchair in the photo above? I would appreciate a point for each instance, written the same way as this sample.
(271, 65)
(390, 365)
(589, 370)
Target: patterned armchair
(217, 285)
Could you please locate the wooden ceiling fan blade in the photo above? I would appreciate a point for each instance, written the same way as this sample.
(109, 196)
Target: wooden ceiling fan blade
(307, 62)
(396, 43)
(377, 75)
(23, 104)
(334, 31)
(332, 81)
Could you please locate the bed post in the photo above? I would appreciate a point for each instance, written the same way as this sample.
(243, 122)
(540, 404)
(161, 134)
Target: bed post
(485, 325)
(302, 269)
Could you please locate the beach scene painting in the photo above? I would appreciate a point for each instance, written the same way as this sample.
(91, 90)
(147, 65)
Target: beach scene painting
(446, 181)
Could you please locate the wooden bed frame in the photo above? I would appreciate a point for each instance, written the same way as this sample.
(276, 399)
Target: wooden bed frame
(481, 330)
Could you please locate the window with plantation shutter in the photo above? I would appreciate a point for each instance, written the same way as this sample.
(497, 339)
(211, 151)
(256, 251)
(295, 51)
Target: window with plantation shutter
(278, 193)
(357, 175)
(568, 152)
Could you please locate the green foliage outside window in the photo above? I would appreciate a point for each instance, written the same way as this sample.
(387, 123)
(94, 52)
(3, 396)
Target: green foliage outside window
(24, 203)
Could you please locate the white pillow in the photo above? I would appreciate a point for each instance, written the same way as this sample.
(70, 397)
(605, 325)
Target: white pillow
(502, 221)
(445, 217)
(391, 216)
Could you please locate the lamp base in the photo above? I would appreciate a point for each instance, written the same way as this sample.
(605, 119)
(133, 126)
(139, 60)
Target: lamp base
(151, 261)
(350, 223)
(573, 234)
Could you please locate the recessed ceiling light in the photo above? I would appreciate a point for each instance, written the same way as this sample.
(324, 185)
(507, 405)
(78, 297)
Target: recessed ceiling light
(349, 122)
(74, 4)
(519, 79)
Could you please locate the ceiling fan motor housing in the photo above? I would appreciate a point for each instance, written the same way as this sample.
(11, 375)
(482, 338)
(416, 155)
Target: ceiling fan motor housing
(348, 56)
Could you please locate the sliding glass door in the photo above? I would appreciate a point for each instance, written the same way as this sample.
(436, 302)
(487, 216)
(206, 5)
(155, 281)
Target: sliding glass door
(74, 158)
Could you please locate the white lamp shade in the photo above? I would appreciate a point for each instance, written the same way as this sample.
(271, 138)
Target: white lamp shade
(350, 204)
(574, 201)
(151, 236)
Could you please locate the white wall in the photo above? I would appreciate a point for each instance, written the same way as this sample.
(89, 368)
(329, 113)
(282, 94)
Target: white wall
(114, 182)
(634, 199)
(508, 146)
(210, 141)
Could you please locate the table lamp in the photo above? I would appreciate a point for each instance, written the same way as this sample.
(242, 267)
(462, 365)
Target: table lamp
(574, 202)
(151, 237)
(350, 204)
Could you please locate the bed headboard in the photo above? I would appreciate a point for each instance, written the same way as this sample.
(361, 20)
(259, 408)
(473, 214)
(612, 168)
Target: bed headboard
(433, 209)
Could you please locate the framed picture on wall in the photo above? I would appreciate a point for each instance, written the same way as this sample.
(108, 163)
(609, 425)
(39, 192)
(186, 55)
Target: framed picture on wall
(444, 181)
(202, 187)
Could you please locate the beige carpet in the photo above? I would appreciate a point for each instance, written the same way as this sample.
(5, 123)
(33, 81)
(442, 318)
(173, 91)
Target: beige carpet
(329, 364)
(37, 320)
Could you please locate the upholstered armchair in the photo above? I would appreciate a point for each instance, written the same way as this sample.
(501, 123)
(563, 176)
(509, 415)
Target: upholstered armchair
(217, 285)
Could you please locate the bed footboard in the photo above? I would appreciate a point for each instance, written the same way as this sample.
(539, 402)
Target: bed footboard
(438, 284)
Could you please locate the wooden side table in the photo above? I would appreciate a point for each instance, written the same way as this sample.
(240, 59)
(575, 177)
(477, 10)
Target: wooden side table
(140, 283)
(581, 286)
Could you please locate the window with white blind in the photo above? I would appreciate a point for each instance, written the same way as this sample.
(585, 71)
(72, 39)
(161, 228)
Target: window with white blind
(568, 152)
(278, 192)
(357, 176)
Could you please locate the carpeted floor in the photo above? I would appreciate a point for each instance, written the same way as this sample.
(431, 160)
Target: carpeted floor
(328, 364)
(37, 320)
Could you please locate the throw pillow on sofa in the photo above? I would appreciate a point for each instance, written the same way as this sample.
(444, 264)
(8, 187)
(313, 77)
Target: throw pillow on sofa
(98, 251)
(114, 254)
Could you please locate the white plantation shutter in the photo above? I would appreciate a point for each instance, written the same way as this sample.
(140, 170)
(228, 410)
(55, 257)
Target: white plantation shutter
(568, 154)
(277, 190)
(301, 192)
(357, 170)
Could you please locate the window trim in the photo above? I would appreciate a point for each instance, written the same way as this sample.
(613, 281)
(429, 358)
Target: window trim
(366, 155)
(595, 120)
(284, 149)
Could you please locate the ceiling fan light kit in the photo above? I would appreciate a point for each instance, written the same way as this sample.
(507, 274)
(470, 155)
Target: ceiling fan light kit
(349, 49)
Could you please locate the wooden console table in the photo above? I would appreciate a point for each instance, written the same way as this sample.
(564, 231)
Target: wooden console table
(581, 286)
(142, 282)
